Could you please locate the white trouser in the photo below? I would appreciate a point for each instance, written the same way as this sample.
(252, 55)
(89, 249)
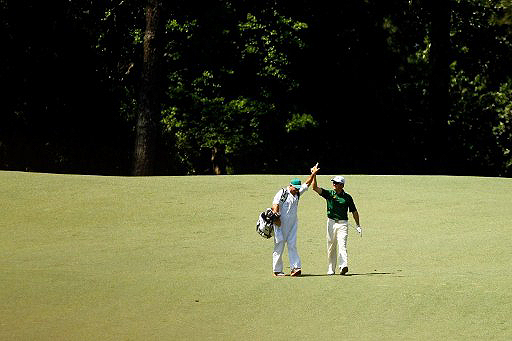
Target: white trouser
(287, 233)
(337, 233)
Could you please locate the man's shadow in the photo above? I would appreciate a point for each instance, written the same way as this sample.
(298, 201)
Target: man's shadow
(351, 274)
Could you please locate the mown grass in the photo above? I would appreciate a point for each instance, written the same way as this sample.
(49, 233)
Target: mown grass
(178, 258)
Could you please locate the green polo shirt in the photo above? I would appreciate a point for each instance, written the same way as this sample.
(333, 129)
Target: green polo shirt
(338, 204)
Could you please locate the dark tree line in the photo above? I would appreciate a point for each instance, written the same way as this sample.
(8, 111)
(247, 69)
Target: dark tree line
(185, 87)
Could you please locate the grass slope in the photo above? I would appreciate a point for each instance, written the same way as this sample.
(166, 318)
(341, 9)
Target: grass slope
(178, 258)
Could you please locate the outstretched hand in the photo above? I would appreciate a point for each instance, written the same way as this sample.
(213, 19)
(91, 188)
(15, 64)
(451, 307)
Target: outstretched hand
(315, 169)
(312, 178)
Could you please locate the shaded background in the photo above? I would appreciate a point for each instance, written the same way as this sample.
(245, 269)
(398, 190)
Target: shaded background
(401, 87)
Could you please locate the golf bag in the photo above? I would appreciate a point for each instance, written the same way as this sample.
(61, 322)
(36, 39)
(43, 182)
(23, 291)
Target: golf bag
(265, 223)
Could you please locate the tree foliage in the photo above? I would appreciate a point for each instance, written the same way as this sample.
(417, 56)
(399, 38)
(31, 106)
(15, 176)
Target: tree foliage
(361, 86)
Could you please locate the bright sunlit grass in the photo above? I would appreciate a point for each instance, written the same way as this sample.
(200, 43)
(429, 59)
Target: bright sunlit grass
(178, 258)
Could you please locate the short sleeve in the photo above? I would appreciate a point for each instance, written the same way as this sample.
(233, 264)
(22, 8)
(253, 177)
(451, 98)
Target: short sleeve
(351, 205)
(277, 197)
(303, 188)
(325, 193)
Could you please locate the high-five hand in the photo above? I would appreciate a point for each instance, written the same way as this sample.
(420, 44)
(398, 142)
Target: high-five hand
(315, 169)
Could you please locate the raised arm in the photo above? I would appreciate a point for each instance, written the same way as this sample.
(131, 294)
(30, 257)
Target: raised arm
(314, 170)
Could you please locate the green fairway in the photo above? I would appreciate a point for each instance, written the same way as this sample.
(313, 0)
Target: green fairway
(178, 258)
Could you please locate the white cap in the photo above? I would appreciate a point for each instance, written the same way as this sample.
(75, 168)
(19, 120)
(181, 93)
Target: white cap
(338, 179)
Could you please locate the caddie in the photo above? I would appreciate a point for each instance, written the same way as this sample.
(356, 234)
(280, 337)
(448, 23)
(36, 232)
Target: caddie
(339, 203)
(286, 202)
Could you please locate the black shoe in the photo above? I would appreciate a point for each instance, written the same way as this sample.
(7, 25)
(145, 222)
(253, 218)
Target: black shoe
(344, 271)
(295, 272)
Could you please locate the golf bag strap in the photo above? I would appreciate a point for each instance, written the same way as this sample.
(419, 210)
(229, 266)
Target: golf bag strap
(284, 195)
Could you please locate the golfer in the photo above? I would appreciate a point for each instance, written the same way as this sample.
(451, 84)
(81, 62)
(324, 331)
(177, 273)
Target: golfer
(339, 203)
(285, 203)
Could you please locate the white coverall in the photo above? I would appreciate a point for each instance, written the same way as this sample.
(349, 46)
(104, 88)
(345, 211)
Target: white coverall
(287, 233)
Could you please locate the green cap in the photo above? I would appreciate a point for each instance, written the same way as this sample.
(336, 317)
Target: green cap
(295, 182)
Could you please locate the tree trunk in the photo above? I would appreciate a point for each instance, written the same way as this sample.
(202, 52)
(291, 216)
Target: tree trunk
(149, 99)
(218, 160)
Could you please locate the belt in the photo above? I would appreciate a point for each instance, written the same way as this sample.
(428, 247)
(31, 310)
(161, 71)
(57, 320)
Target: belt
(339, 221)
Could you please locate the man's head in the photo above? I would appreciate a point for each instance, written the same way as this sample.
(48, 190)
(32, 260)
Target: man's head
(338, 182)
(295, 185)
